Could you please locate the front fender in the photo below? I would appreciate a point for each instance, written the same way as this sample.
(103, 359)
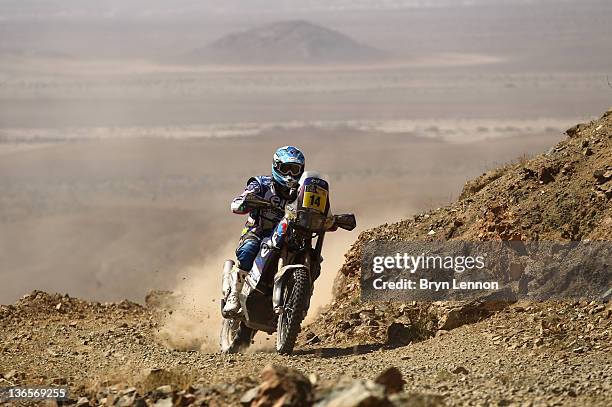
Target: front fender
(280, 279)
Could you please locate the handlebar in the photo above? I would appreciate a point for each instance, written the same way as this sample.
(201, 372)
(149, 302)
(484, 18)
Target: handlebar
(345, 221)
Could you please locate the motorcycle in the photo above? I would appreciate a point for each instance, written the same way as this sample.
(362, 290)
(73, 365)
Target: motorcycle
(276, 294)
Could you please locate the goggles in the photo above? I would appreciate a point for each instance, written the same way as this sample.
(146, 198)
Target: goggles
(293, 169)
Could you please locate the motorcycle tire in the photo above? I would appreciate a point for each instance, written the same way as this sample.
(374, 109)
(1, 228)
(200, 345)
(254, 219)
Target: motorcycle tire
(294, 311)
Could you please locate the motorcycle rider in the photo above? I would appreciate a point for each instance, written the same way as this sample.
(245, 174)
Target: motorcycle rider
(279, 189)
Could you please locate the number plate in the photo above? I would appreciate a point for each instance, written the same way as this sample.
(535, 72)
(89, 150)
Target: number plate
(315, 199)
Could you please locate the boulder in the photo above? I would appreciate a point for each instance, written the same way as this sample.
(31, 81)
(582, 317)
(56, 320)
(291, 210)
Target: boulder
(361, 393)
(280, 386)
(401, 333)
(392, 380)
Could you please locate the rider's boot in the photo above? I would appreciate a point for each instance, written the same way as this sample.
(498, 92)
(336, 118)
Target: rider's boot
(232, 305)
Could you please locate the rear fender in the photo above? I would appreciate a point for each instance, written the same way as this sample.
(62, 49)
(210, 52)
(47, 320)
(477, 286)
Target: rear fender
(280, 280)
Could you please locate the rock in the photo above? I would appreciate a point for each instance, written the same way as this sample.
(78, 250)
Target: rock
(140, 402)
(528, 173)
(605, 190)
(459, 370)
(607, 296)
(399, 333)
(314, 379)
(127, 305)
(566, 169)
(545, 175)
(392, 380)
(83, 401)
(185, 399)
(129, 390)
(10, 374)
(167, 402)
(362, 393)
(575, 130)
(166, 389)
(249, 396)
(280, 386)
(125, 400)
(156, 378)
(59, 381)
(312, 338)
(453, 315)
(602, 176)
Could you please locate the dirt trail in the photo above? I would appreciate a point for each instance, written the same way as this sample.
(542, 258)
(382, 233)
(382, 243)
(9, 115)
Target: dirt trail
(53, 339)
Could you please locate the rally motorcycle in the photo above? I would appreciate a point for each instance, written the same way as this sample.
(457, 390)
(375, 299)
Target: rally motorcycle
(277, 290)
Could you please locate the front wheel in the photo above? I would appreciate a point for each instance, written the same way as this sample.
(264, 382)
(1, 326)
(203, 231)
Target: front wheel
(294, 310)
(235, 336)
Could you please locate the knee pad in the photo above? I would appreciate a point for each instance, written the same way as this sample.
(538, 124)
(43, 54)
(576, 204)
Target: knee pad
(246, 253)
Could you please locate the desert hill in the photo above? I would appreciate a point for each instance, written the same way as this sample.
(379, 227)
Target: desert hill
(288, 43)
(562, 195)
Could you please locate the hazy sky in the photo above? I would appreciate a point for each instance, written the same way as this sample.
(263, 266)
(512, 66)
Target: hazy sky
(10, 9)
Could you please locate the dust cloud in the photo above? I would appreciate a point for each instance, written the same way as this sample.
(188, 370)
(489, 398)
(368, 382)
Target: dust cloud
(192, 320)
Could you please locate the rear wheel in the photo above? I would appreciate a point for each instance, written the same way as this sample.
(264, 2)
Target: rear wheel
(294, 310)
(235, 336)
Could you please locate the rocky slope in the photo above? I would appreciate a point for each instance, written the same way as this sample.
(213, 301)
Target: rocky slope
(563, 195)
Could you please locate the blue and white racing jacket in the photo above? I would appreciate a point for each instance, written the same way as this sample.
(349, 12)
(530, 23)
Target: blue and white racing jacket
(261, 221)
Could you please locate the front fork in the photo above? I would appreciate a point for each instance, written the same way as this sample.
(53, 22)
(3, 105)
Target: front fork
(227, 282)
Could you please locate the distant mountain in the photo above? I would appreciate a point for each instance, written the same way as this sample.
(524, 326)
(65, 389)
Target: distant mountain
(287, 42)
